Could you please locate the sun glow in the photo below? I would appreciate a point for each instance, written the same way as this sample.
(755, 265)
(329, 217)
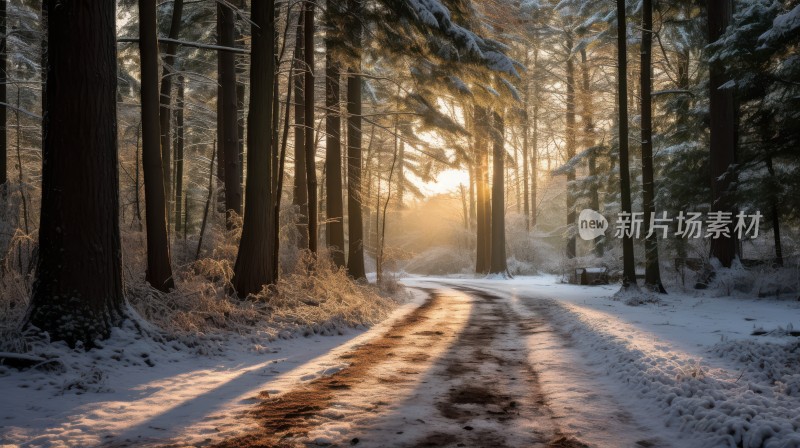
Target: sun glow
(448, 181)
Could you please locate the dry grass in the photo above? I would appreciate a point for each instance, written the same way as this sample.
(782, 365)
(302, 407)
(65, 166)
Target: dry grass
(312, 297)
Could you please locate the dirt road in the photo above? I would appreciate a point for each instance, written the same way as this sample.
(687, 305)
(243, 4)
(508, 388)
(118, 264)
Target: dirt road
(452, 373)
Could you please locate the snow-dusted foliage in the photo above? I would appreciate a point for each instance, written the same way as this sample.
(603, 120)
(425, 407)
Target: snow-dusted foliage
(433, 14)
(764, 74)
(782, 27)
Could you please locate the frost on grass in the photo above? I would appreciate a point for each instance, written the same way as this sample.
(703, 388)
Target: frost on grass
(201, 317)
(314, 298)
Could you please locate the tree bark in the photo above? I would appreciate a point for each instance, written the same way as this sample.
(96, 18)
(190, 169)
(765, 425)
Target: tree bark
(652, 274)
(333, 155)
(498, 259)
(165, 98)
(241, 75)
(571, 250)
(355, 259)
(401, 174)
(77, 293)
(208, 201)
(472, 211)
(256, 260)
(3, 99)
(228, 98)
(525, 150)
(589, 142)
(300, 196)
(723, 132)
(775, 212)
(535, 145)
(628, 262)
(179, 143)
(310, 142)
(484, 232)
(159, 270)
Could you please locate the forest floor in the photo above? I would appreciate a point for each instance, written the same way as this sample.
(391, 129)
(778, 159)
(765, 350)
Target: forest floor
(469, 362)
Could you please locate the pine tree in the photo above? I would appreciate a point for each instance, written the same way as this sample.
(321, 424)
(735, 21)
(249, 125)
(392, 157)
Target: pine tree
(629, 266)
(355, 233)
(77, 293)
(652, 275)
(229, 121)
(256, 260)
(310, 141)
(333, 143)
(498, 245)
(722, 133)
(3, 98)
(165, 100)
(159, 269)
(300, 190)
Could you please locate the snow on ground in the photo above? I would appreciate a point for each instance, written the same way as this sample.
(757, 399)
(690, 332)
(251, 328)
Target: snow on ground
(683, 369)
(691, 359)
(134, 391)
(503, 382)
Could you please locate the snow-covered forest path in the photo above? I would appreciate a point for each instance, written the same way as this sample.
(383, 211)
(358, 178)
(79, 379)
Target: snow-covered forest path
(457, 371)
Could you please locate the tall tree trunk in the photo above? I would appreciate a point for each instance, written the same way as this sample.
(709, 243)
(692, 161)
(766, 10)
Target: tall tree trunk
(300, 196)
(228, 98)
(310, 141)
(464, 205)
(514, 167)
(484, 228)
(220, 114)
(401, 173)
(77, 293)
(333, 153)
(165, 99)
(179, 133)
(159, 270)
(256, 260)
(571, 250)
(535, 145)
(3, 99)
(42, 53)
(628, 263)
(355, 260)
(481, 255)
(682, 118)
(137, 190)
(590, 142)
(240, 119)
(526, 195)
(472, 212)
(498, 259)
(208, 201)
(723, 132)
(241, 76)
(279, 159)
(775, 212)
(652, 274)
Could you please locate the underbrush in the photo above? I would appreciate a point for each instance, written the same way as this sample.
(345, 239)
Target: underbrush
(316, 298)
(312, 297)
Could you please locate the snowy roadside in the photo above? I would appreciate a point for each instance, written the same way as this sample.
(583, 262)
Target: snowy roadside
(137, 391)
(692, 359)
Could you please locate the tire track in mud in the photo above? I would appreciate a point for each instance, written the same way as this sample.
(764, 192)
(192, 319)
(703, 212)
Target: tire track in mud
(456, 359)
